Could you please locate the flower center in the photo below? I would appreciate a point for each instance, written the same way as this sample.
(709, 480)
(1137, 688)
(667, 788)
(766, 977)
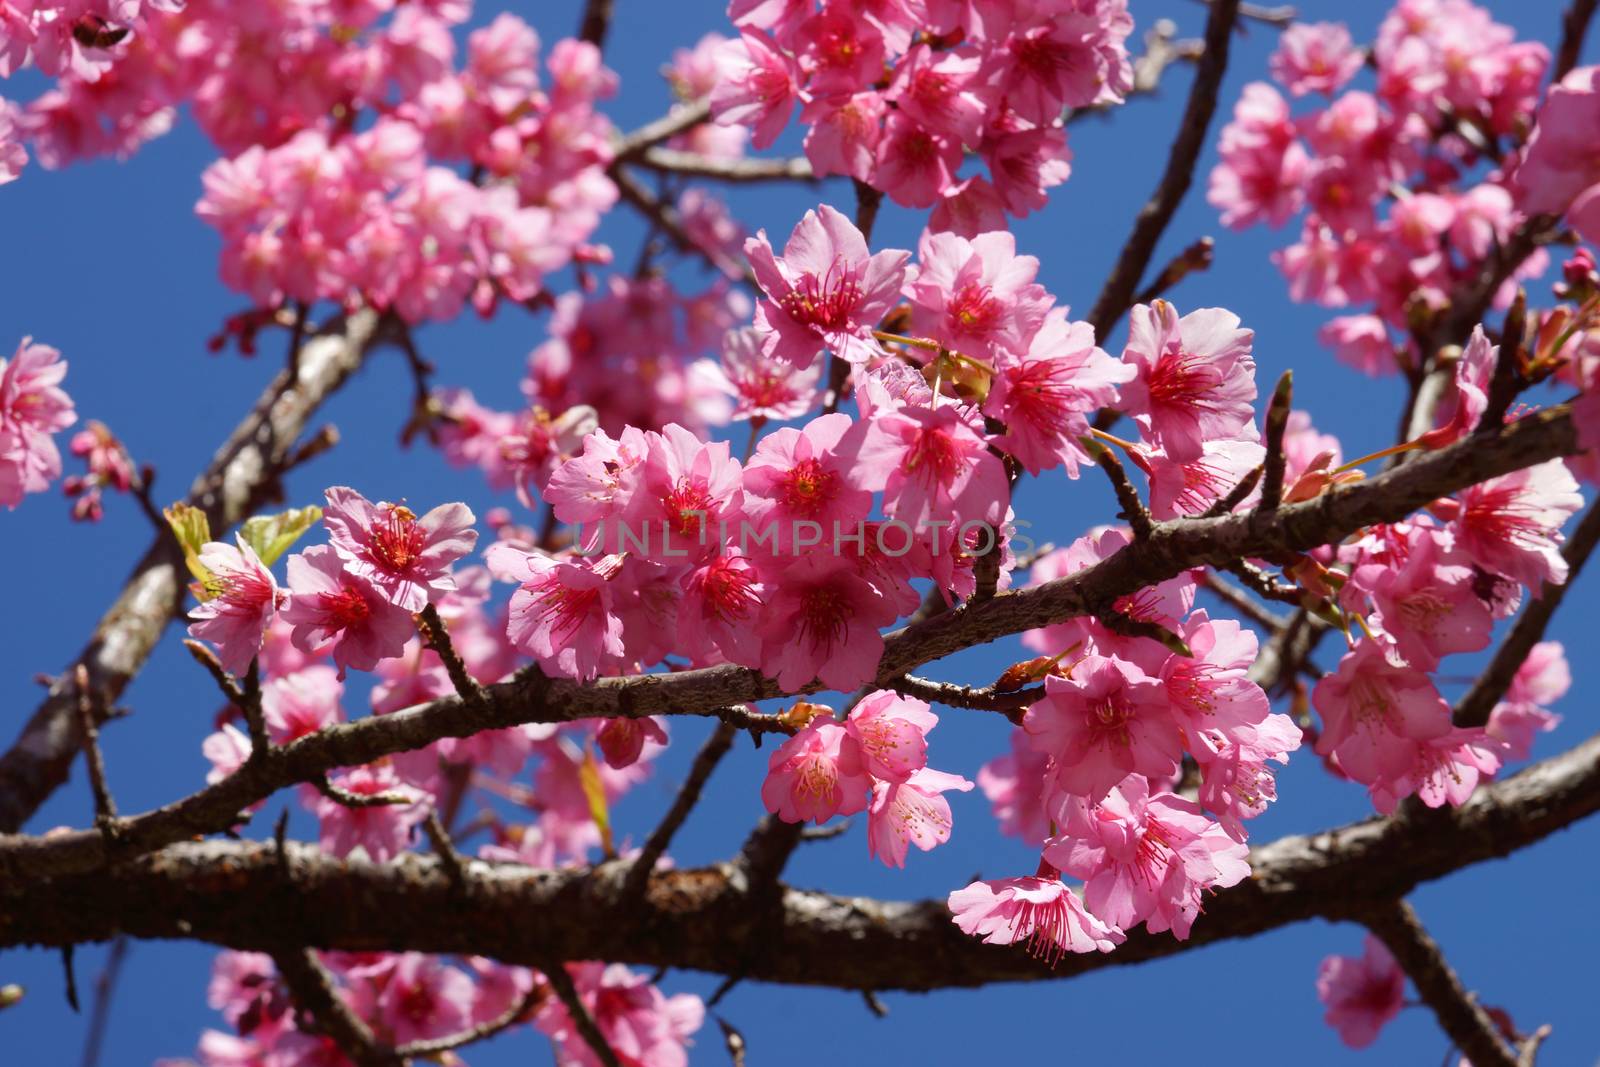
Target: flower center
(397, 540)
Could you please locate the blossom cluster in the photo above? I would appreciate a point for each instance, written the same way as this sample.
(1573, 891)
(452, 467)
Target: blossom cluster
(375, 215)
(1405, 189)
(409, 997)
(895, 95)
(33, 408)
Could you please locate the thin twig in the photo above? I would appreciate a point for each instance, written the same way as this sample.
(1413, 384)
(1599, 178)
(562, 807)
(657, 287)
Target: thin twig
(437, 637)
(667, 218)
(1236, 495)
(986, 698)
(1507, 381)
(105, 808)
(1133, 508)
(1117, 294)
(518, 1012)
(450, 859)
(680, 119)
(695, 165)
(1240, 601)
(104, 987)
(1574, 27)
(313, 990)
(711, 753)
(326, 787)
(1197, 257)
(1277, 422)
(561, 982)
(1474, 708)
(596, 22)
(1458, 1012)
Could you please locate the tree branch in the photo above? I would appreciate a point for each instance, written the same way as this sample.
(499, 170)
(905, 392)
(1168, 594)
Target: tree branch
(694, 165)
(1574, 27)
(1459, 1013)
(529, 696)
(1117, 293)
(235, 894)
(240, 478)
(711, 753)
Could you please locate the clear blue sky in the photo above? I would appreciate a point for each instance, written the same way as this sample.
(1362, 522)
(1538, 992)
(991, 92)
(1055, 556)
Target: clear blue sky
(108, 263)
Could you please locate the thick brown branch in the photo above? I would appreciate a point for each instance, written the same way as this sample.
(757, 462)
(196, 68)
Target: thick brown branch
(1117, 293)
(1172, 548)
(237, 894)
(1474, 708)
(1459, 1013)
(241, 477)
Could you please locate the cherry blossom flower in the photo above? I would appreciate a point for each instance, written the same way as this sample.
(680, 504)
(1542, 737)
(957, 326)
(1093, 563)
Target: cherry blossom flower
(1145, 856)
(1316, 57)
(1195, 380)
(1543, 679)
(762, 387)
(909, 813)
(931, 463)
(1040, 912)
(756, 88)
(799, 478)
(422, 998)
(1212, 690)
(821, 621)
(1044, 395)
(638, 1022)
(1510, 525)
(242, 599)
(1236, 781)
(301, 703)
(562, 613)
(622, 740)
(333, 611)
(405, 557)
(1370, 708)
(810, 779)
(1428, 604)
(1015, 784)
(977, 297)
(827, 290)
(1108, 720)
(1362, 993)
(890, 734)
(33, 406)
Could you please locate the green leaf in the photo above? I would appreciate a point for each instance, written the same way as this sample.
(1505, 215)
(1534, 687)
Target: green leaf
(192, 529)
(271, 535)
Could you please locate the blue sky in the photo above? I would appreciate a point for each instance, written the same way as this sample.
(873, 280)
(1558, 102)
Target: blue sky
(108, 263)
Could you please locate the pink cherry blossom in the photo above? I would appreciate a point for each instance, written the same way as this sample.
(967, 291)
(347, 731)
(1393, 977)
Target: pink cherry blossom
(242, 598)
(890, 734)
(1044, 395)
(332, 610)
(821, 622)
(405, 557)
(422, 998)
(1196, 377)
(1108, 720)
(1510, 525)
(977, 297)
(931, 463)
(622, 740)
(1362, 342)
(1316, 57)
(639, 1023)
(721, 601)
(1236, 780)
(1190, 488)
(809, 778)
(1212, 690)
(1260, 177)
(1371, 707)
(909, 813)
(1146, 857)
(827, 290)
(301, 703)
(1362, 993)
(33, 406)
(762, 387)
(1015, 786)
(1040, 912)
(915, 164)
(843, 134)
(1428, 604)
(562, 613)
(756, 88)
(798, 478)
